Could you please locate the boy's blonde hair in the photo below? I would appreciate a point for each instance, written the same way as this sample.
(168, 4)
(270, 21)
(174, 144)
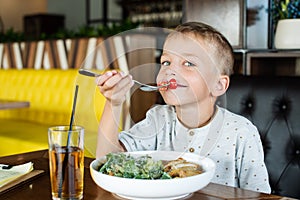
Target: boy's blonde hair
(222, 52)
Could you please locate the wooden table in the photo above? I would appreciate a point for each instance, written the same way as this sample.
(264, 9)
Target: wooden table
(7, 104)
(39, 186)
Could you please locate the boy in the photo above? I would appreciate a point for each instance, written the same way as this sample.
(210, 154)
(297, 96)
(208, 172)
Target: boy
(200, 60)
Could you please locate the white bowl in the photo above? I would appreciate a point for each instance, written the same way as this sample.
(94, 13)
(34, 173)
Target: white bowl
(155, 189)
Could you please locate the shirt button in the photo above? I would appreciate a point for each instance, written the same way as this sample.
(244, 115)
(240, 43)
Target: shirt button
(191, 150)
(192, 133)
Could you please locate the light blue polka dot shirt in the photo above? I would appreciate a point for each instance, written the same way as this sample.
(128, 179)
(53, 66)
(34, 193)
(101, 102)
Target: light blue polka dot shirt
(231, 140)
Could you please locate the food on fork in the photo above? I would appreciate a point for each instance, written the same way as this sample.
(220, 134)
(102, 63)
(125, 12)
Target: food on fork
(172, 84)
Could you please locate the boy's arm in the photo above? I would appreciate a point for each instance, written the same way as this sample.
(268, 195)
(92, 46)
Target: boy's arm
(113, 86)
(108, 130)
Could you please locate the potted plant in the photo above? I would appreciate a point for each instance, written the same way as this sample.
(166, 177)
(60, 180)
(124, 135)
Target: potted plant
(286, 18)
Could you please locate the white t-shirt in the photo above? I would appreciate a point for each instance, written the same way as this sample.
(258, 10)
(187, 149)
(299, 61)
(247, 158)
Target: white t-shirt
(231, 140)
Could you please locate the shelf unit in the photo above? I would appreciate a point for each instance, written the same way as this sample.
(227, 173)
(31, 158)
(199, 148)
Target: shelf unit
(104, 19)
(165, 14)
(268, 62)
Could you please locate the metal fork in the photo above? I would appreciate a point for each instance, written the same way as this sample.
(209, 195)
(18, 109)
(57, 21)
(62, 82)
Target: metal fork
(143, 87)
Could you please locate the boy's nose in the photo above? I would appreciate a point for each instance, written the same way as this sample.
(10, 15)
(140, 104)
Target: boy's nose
(170, 71)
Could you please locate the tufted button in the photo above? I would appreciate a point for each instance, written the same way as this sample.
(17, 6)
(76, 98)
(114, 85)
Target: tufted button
(191, 149)
(249, 104)
(297, 152)
(282, 106)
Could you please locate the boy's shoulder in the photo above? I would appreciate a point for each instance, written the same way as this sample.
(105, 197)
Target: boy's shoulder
(241, 128)
(232, 119)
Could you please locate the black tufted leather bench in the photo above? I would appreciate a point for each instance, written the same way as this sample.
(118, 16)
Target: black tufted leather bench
(273, 105)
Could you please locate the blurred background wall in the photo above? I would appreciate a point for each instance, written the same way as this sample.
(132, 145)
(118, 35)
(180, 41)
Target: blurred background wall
(13, 11)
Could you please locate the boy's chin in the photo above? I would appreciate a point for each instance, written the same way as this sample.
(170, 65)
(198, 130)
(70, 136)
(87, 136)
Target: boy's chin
(171, 101)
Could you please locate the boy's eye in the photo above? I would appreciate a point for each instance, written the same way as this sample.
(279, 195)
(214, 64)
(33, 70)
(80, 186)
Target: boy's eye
(188, 64)
(165, 63)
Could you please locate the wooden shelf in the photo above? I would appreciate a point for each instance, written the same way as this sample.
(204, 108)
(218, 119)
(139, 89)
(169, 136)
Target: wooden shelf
(268, 62)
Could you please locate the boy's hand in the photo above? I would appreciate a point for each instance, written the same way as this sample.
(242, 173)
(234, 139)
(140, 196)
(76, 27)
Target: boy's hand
(114, 86)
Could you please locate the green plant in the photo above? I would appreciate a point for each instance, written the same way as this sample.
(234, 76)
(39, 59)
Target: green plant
(285, 9)
(11, 36)
(84, 31)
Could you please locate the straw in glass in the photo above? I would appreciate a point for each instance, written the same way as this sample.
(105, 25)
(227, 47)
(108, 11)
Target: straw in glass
(65, 161)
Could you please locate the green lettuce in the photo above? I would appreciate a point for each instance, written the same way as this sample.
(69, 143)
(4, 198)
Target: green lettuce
(126, 166)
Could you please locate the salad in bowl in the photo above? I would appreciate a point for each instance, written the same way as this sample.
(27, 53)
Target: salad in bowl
(152, 174)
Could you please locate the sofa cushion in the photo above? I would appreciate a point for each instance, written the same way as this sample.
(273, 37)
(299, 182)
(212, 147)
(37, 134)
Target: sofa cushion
(34, 137)
(23, 141)
(51, 95)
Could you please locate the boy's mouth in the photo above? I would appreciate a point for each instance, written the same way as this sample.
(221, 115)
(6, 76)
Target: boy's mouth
(172, 85)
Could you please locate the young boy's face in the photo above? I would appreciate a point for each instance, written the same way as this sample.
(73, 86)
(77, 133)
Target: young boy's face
(186, 59)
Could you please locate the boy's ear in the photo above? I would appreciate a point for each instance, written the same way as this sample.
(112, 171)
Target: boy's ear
(221, 85)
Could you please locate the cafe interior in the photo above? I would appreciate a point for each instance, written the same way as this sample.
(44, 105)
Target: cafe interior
(45, 44)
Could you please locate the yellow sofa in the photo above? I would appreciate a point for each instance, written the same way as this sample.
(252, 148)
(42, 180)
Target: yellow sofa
(51, 94)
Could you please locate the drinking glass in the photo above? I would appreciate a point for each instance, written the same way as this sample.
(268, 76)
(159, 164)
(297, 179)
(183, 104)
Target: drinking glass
(66, 161)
